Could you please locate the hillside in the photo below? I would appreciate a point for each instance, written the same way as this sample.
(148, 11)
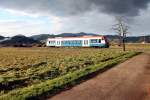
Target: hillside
(74, 34)
(138, 39)
(2, 37)
(42, 37)
(130, 39)
(20, 41)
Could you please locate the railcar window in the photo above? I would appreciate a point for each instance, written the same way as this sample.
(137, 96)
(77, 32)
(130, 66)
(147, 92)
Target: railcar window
(95, 41)
(51, 42)
(86, 41)
(99, 40)
(74, 42)
(79, 42)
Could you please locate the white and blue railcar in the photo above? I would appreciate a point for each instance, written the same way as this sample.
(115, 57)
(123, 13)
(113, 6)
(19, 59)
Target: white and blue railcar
(84, 41)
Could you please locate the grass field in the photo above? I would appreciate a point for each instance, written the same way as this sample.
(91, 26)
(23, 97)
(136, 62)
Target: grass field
(134, 47)
(30, 72)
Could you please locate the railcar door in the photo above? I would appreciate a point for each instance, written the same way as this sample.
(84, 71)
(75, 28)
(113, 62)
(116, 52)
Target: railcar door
(58, 43)
(86, 43)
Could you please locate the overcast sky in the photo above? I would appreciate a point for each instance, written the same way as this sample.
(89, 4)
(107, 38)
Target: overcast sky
(31, 17)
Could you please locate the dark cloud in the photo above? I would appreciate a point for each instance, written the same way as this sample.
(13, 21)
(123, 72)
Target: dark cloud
(74, 7)
(56, 7)
(121, 7)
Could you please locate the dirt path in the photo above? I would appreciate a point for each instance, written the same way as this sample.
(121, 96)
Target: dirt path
(127, 81)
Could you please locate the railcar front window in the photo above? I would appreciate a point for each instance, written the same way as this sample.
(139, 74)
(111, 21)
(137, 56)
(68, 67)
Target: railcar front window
(95, 41)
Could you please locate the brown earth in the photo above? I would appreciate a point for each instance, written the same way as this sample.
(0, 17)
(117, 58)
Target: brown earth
(127, 81)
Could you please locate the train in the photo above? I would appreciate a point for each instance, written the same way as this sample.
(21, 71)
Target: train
(83, 41)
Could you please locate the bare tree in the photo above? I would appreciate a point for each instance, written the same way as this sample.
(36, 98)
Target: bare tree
(122, 29)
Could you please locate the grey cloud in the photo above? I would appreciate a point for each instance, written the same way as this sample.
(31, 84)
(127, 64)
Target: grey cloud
(75, 7)
(121, 7)
(56, 7)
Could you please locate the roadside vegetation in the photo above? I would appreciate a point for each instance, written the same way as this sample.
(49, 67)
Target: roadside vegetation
(27, 73)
